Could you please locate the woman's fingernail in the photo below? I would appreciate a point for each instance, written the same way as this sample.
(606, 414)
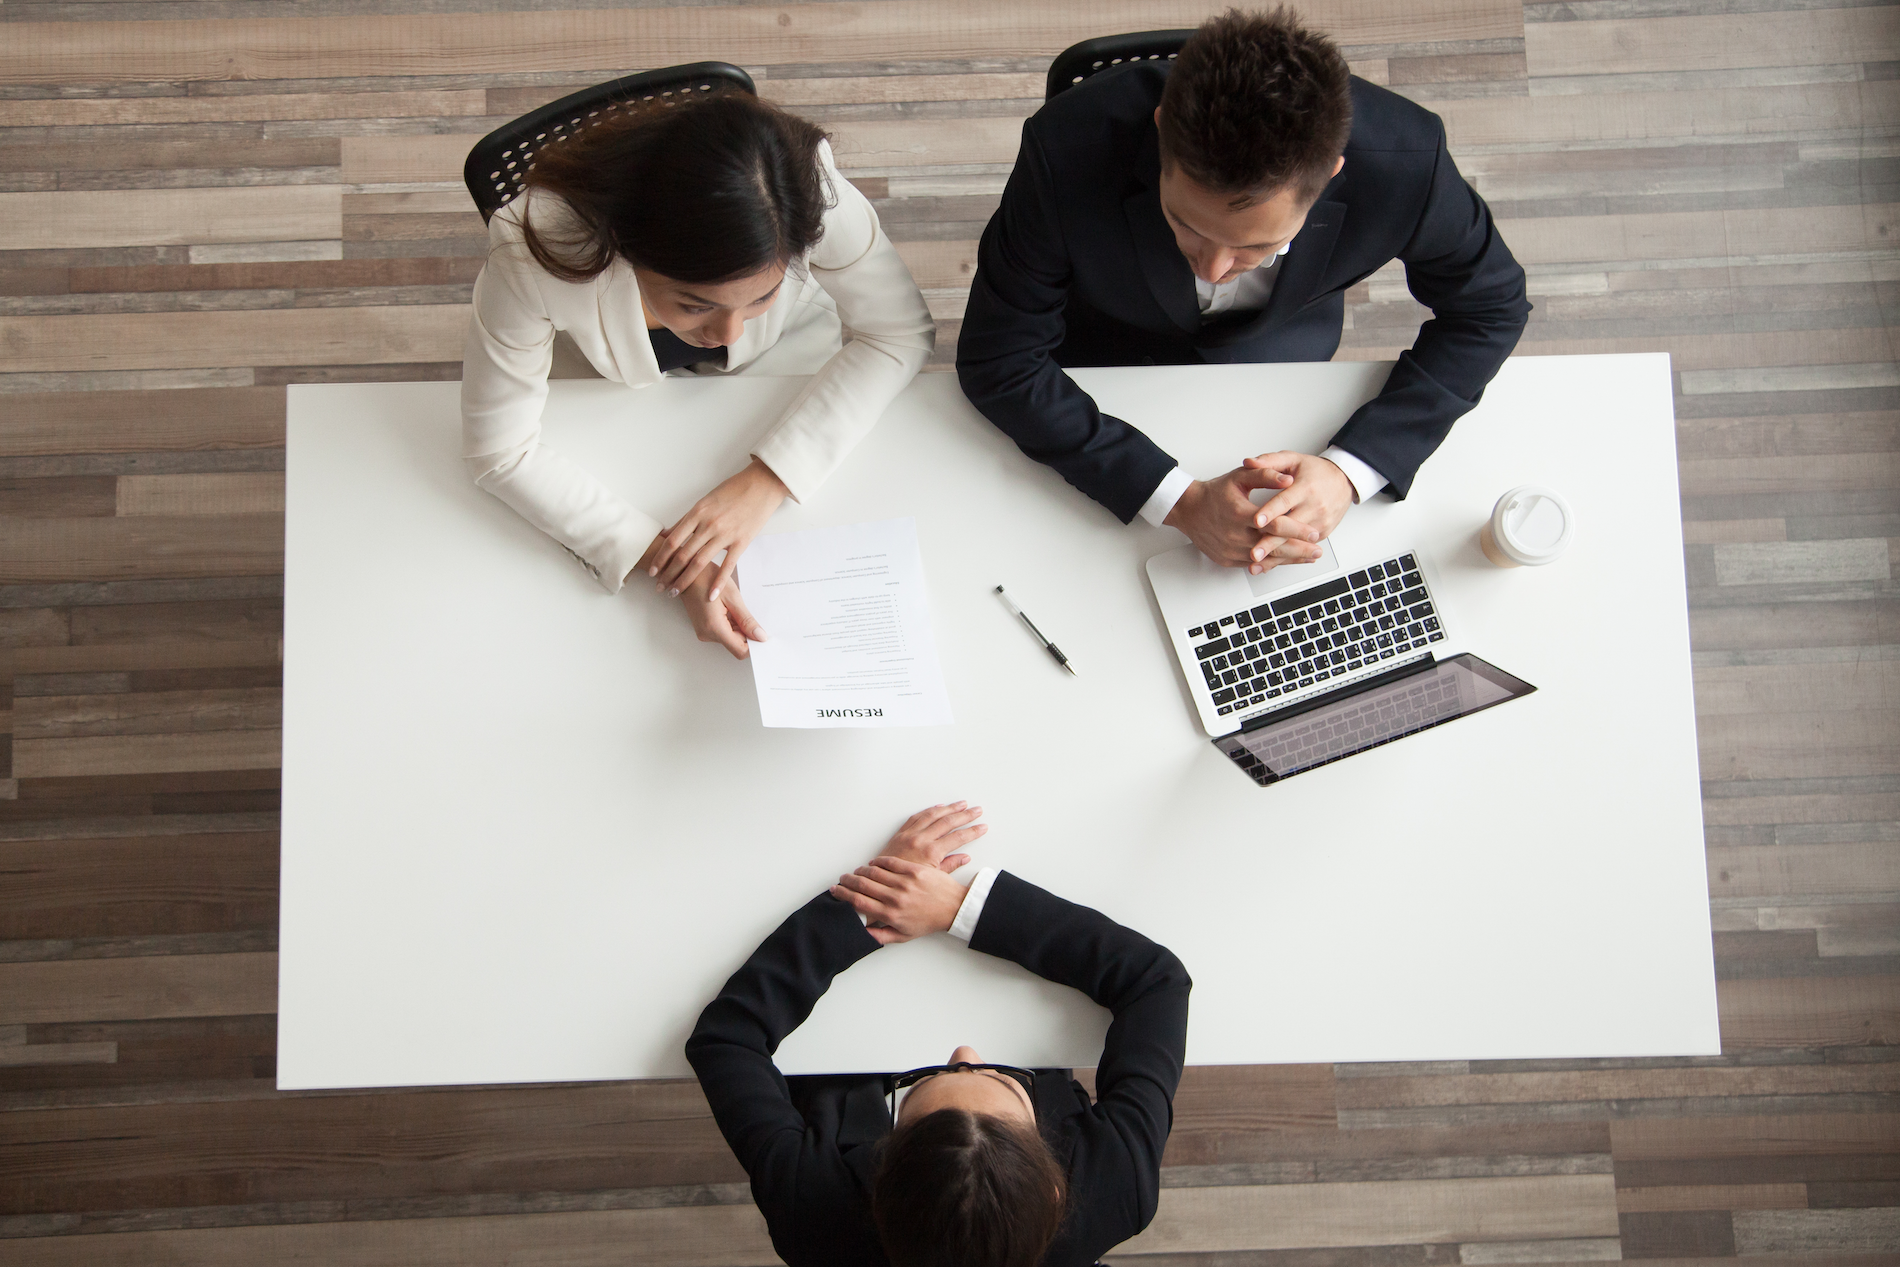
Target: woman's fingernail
(653, 571)
(672, 593)
(712, 595)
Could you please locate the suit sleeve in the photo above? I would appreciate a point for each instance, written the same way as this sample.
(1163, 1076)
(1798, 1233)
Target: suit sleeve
(888, 335)
(731, 1047)
(1145, 988)
(1457, 265)
(1006, 351)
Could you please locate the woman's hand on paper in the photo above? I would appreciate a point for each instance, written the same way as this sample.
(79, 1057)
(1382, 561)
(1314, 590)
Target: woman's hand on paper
(902, 899)
(725, 519)
(724, 619)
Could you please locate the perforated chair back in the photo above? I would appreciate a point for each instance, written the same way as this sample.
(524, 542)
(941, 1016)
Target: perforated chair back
(499, 161)
(1092, 57)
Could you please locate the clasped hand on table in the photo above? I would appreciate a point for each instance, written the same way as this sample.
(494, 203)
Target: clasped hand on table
(906, 891)
(1310, 497)
(683, 560)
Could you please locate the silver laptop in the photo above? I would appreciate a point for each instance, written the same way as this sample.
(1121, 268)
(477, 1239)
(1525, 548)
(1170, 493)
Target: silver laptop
(1312, 662)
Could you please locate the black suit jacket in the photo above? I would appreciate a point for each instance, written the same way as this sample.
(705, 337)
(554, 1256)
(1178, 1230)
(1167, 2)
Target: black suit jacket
(1079, 267)
(811, 1147)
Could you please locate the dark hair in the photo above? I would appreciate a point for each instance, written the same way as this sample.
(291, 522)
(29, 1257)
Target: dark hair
(962, 1189)
(1256, 102)
(706, 191)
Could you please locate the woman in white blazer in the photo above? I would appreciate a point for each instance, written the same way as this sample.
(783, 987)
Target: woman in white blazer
(703, 237)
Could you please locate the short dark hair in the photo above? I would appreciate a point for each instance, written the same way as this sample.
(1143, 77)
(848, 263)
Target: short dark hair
(1254, 103)
(707, 191)
(962, 1189)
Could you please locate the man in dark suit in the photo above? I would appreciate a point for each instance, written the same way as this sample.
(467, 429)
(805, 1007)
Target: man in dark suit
(985, 1166)
(1215, 211)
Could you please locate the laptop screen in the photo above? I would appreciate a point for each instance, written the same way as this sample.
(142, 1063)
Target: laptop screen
(1371, 713)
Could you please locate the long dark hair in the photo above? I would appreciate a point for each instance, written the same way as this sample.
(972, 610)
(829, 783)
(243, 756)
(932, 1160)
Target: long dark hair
(706, 191)
(962, 1189)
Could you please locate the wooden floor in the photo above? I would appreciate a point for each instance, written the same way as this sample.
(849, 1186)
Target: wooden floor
(204, 201)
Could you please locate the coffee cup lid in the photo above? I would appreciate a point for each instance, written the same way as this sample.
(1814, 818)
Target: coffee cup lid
(1532, 524)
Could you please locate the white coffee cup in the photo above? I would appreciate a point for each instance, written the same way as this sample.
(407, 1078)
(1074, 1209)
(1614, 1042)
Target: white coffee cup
(1530, 526)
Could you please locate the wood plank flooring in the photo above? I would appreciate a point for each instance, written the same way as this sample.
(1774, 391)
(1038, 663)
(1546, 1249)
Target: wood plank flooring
(202, 201)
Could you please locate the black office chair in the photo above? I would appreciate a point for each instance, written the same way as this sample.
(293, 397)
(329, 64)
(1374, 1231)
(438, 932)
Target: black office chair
(1091, 57)
(496, 165)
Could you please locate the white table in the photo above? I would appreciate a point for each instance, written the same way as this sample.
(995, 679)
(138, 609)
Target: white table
(528, 829)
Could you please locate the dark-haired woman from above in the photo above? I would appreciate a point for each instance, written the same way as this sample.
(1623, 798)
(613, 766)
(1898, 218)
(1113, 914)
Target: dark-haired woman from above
(980, 1165)
(716, 237)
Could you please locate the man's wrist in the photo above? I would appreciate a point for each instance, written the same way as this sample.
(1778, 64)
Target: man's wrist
(1364, 479)
(1159, 508)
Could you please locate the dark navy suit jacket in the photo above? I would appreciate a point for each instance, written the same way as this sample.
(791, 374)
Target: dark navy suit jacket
(1079, 267)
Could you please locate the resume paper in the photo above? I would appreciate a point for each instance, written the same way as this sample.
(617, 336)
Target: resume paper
(847, 627)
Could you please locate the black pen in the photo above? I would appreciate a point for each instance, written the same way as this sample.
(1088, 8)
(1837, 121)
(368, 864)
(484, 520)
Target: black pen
(1048, 646)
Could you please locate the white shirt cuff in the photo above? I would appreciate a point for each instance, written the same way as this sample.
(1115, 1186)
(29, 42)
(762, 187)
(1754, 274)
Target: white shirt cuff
(964, 926)
(1365, 480)
(1161, 502)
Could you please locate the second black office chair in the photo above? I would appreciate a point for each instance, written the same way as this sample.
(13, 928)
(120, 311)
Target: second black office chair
(496, 165)
(1091, 57)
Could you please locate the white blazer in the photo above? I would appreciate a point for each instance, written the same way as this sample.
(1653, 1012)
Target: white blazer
(519, 306)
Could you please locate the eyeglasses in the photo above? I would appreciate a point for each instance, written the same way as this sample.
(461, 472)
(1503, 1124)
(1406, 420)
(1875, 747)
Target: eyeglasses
(893, 1083)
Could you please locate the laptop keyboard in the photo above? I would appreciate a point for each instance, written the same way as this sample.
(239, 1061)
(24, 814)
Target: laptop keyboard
(1386, 716)
(1336, 628)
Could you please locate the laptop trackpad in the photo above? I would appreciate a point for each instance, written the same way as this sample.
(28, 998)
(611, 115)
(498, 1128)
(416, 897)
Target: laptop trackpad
(1293, 575)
